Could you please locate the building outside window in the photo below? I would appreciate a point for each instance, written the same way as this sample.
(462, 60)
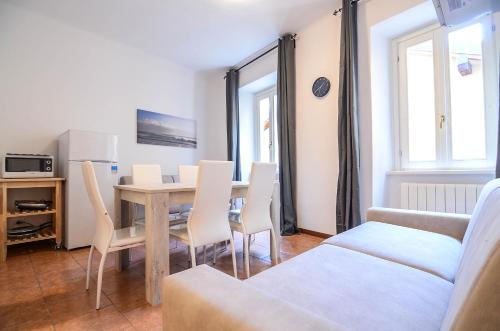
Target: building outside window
(266, 125)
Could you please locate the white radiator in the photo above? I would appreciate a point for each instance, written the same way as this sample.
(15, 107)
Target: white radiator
(446, 198)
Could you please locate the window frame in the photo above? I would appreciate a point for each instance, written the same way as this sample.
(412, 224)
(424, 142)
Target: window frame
(267, 93)
(442, 96)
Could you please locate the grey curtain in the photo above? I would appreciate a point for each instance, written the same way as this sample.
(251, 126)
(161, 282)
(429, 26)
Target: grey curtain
(233, 122)
(286, 133)
(348, 201)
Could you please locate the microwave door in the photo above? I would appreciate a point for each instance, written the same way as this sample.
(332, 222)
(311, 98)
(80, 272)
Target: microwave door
(22, 165)
(27, 167)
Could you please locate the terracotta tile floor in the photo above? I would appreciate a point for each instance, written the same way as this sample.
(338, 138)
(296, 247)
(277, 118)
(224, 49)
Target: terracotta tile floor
(43, 289)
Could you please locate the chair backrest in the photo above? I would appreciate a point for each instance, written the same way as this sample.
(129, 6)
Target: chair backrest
(188, 174)
(208, 221)
(475, 300)
(104, 225)
(256, 212)
(166, 179)
(146, 174)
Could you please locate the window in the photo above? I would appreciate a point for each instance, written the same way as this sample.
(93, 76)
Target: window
(446, 96)
(267, 126)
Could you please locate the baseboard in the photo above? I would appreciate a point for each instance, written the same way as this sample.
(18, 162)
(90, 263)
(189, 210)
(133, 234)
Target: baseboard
(314, 233)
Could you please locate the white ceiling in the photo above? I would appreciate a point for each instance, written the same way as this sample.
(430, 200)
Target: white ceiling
(202, 34)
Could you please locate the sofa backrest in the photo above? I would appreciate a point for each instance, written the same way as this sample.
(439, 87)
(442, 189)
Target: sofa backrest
(475, 300)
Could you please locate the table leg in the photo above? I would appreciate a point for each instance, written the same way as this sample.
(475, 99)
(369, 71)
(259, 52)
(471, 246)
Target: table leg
(157, 244)
(121, 220)
(275, 219)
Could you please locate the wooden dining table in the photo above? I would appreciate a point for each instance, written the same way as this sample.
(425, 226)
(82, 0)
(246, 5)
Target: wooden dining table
(157, 200)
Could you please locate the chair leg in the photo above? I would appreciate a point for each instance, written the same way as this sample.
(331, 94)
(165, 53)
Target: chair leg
(276, 253)
(215, 253)
(89, 265)
(204, 254)
(193, 256)
(99, 280)
(246, 254)
(234, 257)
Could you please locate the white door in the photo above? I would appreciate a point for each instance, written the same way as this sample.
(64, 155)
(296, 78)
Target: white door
(80, 215)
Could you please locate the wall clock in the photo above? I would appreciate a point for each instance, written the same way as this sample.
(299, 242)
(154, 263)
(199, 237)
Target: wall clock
(321, 87)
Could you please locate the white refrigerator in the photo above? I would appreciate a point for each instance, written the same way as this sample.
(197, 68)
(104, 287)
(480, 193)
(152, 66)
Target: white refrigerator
(75, 147)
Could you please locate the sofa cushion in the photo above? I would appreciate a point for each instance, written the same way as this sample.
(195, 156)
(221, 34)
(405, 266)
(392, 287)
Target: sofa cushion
(427, 251)
(475, 301)
(357, 291)
(202, 298)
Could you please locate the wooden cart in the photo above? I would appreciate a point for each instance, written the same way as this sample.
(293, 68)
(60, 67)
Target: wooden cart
(55, 232)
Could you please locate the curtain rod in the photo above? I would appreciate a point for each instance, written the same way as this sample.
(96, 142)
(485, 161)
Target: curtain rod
(256, 58)
(294, 36)
(339, 10)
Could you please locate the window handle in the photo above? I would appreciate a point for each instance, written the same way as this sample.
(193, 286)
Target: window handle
(442, 119)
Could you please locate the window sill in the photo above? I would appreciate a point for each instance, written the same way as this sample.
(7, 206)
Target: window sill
(442, 172)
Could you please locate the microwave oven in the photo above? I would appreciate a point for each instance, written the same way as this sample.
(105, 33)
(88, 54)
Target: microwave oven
(27, 166)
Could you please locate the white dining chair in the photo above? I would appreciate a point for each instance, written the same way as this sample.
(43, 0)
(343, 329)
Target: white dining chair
(255, 215)
(145, 174)
(150, 174)
(188, 174)
(106, 238)
(208, 219)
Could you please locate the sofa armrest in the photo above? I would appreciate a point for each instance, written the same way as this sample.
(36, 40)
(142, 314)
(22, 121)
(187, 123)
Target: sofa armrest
(453, 225)
(203, 298)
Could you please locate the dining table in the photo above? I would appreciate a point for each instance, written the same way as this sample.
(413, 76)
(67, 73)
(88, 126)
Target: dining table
(157, 200)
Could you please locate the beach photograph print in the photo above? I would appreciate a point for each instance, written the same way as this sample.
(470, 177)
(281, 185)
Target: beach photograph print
(167, 130)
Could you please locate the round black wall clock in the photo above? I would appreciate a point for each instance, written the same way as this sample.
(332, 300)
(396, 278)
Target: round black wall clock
(321, 87)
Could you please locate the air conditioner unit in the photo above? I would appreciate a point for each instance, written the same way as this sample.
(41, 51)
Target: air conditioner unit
(455, 12)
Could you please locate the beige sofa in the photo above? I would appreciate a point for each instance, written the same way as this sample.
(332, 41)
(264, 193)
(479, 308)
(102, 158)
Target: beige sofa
(400, 270)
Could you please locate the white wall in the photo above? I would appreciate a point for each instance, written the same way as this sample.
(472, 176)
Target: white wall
(56, 77)
(371, 13)
(215, 115)
(317, 54)
(260, 68)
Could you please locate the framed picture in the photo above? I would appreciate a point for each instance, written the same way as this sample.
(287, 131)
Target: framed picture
(167, 130)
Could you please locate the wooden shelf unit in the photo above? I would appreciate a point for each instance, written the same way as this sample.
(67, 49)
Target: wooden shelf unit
(44, 235)
(17, 213)
(55, 184)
